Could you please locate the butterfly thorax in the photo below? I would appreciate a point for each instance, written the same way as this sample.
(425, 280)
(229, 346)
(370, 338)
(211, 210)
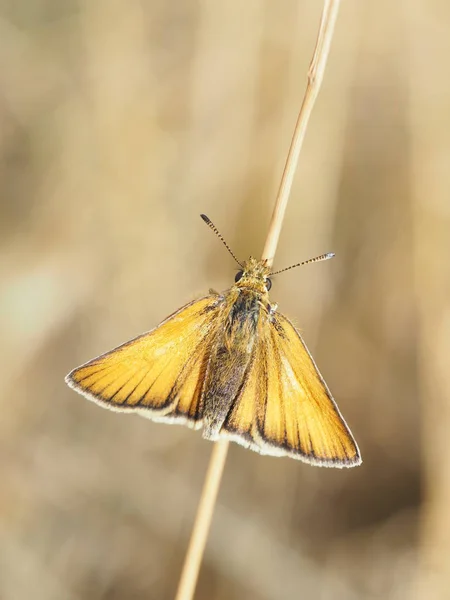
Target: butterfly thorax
(232, 354)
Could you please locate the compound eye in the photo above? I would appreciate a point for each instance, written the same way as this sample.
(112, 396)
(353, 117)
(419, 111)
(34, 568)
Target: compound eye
(268, 284)
(238, 276)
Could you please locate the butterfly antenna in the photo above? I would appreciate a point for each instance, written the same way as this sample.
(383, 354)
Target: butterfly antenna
(307, 262)
(219, 235)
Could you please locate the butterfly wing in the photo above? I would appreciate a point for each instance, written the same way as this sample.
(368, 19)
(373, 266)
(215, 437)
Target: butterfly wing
(285, 407)
(160, 374)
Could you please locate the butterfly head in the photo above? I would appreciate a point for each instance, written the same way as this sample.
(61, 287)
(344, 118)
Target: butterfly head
(254, 275)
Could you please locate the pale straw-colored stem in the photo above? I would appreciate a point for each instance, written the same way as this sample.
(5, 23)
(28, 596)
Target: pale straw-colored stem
(194, 554)
(191, 567)
(315, 77)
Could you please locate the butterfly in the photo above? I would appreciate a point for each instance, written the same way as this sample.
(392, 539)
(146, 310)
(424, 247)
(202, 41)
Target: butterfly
(230, 364)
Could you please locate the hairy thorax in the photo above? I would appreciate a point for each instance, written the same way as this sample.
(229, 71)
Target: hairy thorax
(231, 356)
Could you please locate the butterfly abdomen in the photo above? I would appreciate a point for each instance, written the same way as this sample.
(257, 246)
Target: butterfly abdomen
(230, 359)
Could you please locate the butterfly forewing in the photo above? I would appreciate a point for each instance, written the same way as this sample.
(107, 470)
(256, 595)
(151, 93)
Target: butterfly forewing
(160, 373)
(285, 408)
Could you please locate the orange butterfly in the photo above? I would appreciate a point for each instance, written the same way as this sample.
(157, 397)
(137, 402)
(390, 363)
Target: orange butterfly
(231, 364)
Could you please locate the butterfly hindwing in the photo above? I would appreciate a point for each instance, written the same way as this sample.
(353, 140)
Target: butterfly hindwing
(239, 424)
(160, 373)
(285, 407)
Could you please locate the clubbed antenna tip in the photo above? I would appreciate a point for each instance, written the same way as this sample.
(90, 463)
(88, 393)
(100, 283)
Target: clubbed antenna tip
(307, 262)
(217, 232)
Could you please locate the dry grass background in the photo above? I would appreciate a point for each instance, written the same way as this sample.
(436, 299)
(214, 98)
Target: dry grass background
(119, 123)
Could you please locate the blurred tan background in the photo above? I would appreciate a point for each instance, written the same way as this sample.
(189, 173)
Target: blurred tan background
(119, 123)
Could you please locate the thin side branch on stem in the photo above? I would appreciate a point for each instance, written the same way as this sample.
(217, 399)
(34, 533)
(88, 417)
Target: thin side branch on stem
(191, 567)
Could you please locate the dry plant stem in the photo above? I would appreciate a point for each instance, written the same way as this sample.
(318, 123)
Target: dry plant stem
(315, 77)
(194, 554)
(189, 575)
